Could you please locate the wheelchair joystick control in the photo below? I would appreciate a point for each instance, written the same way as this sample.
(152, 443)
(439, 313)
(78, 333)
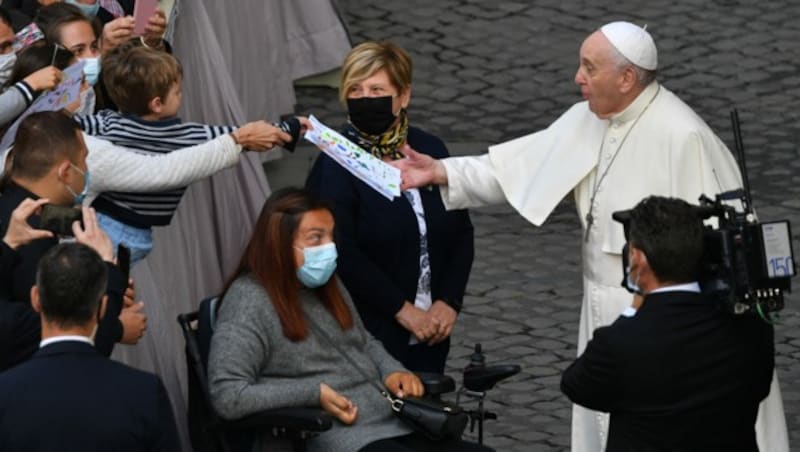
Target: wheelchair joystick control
(476, 359)
(479, 378)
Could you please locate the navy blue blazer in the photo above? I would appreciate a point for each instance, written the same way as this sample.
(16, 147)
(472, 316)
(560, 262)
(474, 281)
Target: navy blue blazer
(680, 375)
(378, 244)
(68, 397)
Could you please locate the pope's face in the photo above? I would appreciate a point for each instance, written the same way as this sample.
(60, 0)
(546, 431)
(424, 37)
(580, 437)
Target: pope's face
(599, 77)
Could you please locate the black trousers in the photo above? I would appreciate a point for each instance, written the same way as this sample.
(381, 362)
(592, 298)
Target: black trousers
(418, 443)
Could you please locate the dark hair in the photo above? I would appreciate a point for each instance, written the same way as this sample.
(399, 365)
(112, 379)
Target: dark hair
(5, 17)
(38, 57)
(52, 17)
(43, 139)
(269, 258)
(670, 233)
(71, 279)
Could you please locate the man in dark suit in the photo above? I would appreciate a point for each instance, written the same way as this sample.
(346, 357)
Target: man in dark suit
(68, 397)
(49, 161)
(676, 372)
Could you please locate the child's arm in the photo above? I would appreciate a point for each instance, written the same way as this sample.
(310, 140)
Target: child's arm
(92, 124)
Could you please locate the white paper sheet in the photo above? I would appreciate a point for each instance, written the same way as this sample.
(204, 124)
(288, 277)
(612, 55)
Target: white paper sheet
(374, 172)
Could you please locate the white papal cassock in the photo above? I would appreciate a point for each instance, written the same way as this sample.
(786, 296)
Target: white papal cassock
(657, 146)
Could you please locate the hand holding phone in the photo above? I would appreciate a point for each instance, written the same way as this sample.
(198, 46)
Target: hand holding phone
(59, 219)
(92, 235)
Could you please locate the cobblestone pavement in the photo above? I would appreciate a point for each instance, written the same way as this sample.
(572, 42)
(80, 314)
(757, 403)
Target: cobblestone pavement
(491, 70)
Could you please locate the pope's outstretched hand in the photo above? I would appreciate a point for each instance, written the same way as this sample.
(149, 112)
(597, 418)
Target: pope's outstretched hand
(419, 170)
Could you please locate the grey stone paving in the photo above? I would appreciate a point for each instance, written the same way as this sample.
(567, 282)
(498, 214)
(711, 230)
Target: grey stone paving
(487, 71)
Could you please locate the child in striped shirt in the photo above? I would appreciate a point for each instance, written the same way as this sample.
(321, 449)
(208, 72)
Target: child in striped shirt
(145, 84)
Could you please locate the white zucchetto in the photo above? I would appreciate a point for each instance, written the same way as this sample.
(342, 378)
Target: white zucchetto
(633, 42)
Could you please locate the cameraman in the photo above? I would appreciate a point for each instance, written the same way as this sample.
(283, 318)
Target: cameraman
(676, 372)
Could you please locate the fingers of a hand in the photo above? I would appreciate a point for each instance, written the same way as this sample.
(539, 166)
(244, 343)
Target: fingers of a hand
(77, 231)
(40, 234)
(406, 150)
(348, 417)
(413, 386)
(89, 220)
(283, 136)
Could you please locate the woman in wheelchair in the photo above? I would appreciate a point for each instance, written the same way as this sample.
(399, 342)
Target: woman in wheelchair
(279, 324)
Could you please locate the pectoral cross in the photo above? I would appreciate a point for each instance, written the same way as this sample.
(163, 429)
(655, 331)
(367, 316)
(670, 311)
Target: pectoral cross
(589, 223)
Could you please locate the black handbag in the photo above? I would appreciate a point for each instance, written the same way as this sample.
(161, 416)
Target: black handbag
(436, 419)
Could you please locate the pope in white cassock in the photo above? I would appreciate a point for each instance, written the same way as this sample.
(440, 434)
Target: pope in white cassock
(631, 138)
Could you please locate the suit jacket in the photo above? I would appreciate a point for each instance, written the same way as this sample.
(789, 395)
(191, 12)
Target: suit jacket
(378, 244)
(68, 397)
(19, 275)
(679, 375)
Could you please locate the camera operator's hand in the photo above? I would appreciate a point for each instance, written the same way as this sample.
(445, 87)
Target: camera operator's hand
(134, 323)
(260, 136)
(404, 384)
(420, 323)
(93, 236)
(337, 405)
(19, 232)
(447, 319)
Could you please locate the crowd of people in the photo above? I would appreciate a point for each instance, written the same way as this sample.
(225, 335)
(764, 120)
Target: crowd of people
(335, 273)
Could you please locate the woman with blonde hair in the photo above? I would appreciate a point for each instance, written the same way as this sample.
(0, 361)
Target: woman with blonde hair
(406, 262)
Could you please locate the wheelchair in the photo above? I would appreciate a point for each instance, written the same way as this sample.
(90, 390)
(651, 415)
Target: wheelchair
(291, 427)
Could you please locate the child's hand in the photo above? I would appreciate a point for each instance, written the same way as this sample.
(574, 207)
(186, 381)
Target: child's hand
(260, 136)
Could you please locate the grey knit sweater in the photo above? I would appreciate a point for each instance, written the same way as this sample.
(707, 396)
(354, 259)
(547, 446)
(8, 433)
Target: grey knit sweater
(253, 366)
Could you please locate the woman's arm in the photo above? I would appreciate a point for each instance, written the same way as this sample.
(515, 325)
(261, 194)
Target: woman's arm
(115, 168)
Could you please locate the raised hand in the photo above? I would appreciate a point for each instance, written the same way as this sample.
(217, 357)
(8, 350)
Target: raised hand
(116, 32)
(19, 232)
(260, 136)
(419, 170)
(43, 79)
(92, 235)
(156, 26)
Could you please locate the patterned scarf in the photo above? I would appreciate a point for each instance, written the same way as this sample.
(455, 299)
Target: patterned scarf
(386, 143)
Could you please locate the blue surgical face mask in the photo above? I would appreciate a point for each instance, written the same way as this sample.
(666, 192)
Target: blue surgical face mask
(79, 197)
(630, 284)
(318, 266)
(91, 69)
(89, 10)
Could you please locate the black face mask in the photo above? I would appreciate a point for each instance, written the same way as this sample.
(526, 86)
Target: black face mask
(371, 115)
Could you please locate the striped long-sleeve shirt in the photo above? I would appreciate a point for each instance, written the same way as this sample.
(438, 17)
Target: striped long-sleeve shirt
(144, 210)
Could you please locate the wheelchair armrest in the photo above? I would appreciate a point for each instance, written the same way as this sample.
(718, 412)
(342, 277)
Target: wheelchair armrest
(301, 419)
(436, 384)
(482, 379)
